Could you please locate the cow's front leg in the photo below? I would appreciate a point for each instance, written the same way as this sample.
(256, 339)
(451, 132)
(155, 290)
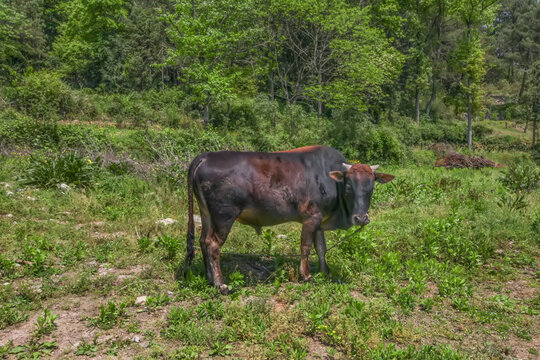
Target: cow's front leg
(320, 246)
(310, 226)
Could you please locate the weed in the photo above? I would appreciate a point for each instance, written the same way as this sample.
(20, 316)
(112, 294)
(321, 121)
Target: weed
(221, 349)
(108, 315)
(69, 168)
(411, 353)
(86, 349)
(45, 323)
(521, 178)
(210, 309)
(512, 202)
(236, 280)
(158, 300)
(170, 244)
(144, 243)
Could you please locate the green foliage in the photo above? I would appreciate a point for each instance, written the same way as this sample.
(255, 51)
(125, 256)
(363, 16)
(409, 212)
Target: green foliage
(85, 35)
(521, 178)
(108, 315)
(45, 323)
(43, 95)
(158, 300)
(412, 353)
(171, 245)
(86, 349)
(69, 168)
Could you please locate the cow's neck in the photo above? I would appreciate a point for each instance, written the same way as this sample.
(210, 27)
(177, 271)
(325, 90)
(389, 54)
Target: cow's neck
(342, 211)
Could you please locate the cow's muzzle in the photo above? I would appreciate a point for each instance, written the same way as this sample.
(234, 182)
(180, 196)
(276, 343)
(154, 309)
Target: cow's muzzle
(361, 219)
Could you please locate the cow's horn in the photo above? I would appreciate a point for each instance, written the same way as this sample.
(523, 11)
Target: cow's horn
(347, 166)
(374, 167)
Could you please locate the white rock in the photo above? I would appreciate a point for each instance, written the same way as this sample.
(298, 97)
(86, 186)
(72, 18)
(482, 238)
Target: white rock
(281, 236)
(137, 339)
(9, 215)
(6, 185)
(197, 219)
(64, 187)
(31, 198)
(167, 221)
(9, 193)
(140, 300)
(170, 293)
(6, 284)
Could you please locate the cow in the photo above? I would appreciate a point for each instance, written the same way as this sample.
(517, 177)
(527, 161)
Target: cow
(312, 185)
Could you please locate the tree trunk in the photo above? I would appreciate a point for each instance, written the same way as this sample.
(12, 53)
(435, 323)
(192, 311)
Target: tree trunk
(206, 114)
(433, 95)
(522, 88)
(271, 85)
(417, 102)
(469, 116)
(535, 119)
(469, 100)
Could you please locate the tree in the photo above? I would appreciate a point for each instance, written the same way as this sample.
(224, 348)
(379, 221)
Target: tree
(329, 53)
(84, 38)
(210, 38)
(469, 57)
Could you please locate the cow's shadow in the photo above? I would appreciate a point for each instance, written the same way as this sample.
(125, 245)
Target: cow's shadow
(258, 269)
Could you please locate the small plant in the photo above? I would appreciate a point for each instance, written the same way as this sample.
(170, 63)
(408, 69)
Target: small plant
(521, 178)
(210, 309)
(36, 257)
(179, 315)
(45, 323)
(236, 280)
(108, 315)
(144, 244)
(269, 240)
(513, 202)
(86, 349)
(427, 304)
(7, 266)
(157, 301)
(170, 244)
(221, 349)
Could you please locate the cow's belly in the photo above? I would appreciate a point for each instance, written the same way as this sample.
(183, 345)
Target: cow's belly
(266, 217)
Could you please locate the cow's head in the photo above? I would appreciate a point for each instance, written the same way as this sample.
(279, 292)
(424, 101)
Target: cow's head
(358, 181)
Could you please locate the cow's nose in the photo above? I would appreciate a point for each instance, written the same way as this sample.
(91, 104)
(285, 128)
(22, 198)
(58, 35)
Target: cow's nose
(361, 219)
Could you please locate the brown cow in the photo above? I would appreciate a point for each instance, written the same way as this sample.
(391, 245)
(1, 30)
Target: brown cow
(312, 185)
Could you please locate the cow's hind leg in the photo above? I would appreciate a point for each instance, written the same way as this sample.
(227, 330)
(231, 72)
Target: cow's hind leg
(219, 230)
(320, 246)
(206, 222)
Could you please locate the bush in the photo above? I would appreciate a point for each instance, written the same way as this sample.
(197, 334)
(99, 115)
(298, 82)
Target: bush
(522, 177)
(43, 95)
(17, 129)
(69, 168)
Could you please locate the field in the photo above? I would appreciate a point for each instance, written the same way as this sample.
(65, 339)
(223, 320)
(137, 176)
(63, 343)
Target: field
(447, 269)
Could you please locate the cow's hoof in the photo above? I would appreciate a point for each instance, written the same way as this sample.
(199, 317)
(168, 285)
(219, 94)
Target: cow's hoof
(224, 289)
(309, 279)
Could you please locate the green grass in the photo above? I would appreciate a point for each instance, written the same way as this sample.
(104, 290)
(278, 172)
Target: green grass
(443, 271)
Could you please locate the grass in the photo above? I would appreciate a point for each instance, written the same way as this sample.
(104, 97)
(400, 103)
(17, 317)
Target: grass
(443, 271)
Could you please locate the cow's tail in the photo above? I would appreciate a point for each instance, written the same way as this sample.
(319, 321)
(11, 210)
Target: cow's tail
(190, 247)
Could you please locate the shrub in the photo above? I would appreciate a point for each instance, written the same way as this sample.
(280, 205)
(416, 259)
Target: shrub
(69, 168)
(522, 177)
(43, 95)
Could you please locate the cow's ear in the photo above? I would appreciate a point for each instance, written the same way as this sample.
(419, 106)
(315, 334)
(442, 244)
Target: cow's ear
(383, 178)
(337, 175)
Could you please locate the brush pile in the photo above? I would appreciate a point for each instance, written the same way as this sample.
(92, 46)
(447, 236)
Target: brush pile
(453, 160)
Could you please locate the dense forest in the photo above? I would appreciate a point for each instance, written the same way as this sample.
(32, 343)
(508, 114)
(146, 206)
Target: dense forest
(368, 77)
